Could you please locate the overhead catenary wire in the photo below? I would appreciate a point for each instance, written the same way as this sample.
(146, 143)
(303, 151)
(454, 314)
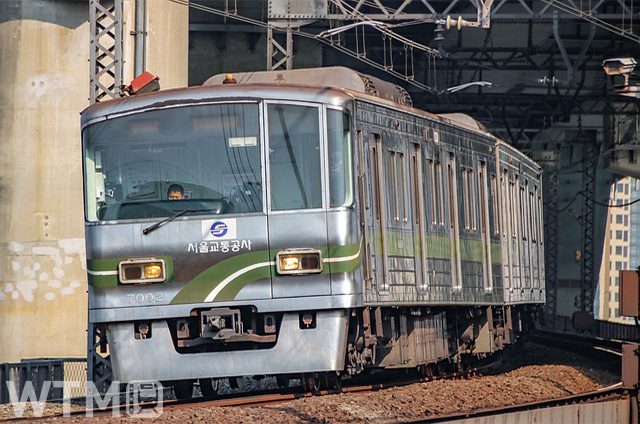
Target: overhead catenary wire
(603, 204)
(310, 36)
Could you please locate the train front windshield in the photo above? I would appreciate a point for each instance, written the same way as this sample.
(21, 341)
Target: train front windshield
(206, 159)
(196, 160)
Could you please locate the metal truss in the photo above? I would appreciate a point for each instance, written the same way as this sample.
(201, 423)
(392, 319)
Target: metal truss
(479, 12)
(106, 20)
(588, 278)
(99, 369)
(591, 14)
(279, 48)
(551, 248)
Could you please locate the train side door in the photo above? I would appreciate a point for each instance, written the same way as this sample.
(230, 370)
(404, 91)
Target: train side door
(506, 229)
(454, 224)
(516, 235)
(416, 176)
(485, 232)
(364, 209)
(296, 171)
(377, 219)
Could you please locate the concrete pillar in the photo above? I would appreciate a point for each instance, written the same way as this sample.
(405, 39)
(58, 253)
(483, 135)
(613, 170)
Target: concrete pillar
(167, 42)
(44, 84)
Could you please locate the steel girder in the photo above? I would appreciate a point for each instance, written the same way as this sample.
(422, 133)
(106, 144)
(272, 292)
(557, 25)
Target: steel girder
(105, 57)
(480, 12)
(551, 247)
(588, 277)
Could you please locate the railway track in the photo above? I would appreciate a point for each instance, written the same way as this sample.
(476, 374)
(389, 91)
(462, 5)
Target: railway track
(607, 352)
(268, 397)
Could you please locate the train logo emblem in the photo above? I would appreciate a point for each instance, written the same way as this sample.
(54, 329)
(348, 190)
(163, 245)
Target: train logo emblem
(219, 229)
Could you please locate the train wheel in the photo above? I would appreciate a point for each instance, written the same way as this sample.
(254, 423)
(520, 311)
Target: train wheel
(208, 387)
(426, 371)
(235, 382)
(333, 380)
(283, 381)
(311, 382)
(183, 389)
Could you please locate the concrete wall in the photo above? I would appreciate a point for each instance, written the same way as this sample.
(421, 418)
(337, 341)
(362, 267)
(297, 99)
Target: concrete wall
(44, 84)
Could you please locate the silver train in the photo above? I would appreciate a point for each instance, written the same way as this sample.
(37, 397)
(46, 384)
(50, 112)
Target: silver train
(304, 224)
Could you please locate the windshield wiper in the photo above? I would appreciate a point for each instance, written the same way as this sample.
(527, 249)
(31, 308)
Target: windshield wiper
(169, 219)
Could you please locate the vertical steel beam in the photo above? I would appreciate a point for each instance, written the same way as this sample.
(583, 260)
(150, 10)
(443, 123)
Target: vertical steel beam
(140, 45)
(551, 248)
(99, 369)
(105, 57)
(105, 79)
(587, 272)
(279, 48)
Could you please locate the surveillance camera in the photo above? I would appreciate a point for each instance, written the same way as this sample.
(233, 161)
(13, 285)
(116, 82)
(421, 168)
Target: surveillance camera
(619, 66)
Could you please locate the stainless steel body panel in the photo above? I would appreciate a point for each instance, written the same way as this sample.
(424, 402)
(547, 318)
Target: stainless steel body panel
(302, 229)
(346, 272)
(310, 303)
(296, 351)
(462, 263)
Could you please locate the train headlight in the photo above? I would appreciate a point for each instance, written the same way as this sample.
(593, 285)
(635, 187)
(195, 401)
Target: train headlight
(142, 271)
(290, 263)
(299, 261)
(152, 271)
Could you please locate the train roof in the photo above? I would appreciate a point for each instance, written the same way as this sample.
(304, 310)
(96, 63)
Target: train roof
(333, 85)
(336, 76)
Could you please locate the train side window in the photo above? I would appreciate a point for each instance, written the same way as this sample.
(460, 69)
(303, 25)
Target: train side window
(523, 222)
(472, 200)
(533, 217)
(340, 163)
(392, 183)
(401, 191)
(439, 193)
(373, 159)
(294, 145)
(539, 211)
(452, 193)
(482, 196)
(514, 206)
(506, 198)
(494, 202)
(465, 197)
(416, 182)
(434, 208)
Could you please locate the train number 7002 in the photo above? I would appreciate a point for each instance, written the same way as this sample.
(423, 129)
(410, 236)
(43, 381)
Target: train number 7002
(145, 298)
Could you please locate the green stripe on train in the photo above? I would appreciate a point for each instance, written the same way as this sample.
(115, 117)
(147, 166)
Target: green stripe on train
(203, 284)
(437, 246)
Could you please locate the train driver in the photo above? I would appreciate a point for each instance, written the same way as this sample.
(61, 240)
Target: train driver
(175, 192)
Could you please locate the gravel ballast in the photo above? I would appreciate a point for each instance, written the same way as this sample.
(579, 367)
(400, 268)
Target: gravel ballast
(533, 373)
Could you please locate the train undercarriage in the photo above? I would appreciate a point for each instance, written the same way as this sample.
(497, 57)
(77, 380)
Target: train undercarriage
(317, 347)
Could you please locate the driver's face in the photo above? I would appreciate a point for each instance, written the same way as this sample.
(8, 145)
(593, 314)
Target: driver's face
(176, 195)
